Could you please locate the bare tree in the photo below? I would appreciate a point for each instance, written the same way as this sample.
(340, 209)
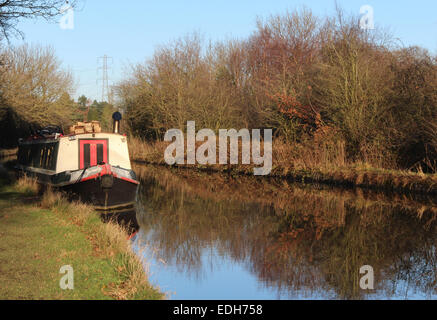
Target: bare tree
(34, 86)
(11, 11)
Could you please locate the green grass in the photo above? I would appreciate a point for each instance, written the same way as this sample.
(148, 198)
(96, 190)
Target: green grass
(36, 242)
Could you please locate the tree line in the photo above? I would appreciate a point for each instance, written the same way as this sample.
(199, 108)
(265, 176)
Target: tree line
(318, 82)
(313, 80)
(35, 91)
(34, 88)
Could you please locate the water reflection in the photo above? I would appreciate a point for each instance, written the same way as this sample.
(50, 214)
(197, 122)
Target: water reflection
(216, 236)
(127, 218)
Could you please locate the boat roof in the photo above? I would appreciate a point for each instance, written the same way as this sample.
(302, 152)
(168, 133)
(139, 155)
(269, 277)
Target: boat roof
(57, 137)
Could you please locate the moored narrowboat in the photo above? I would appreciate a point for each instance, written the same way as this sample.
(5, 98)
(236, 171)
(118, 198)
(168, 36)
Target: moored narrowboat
(88, 163)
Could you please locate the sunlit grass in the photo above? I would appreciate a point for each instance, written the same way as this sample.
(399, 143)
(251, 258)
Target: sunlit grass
(41, 237)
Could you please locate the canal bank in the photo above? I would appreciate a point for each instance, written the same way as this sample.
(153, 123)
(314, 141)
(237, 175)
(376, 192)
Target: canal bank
(40, 235)
(339, 173)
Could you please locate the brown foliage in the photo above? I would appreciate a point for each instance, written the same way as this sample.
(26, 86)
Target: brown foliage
(302, 76)
(34, 91)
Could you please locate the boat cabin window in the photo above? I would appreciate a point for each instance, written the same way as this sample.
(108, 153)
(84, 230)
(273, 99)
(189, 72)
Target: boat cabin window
(92, 152)
(39, 155)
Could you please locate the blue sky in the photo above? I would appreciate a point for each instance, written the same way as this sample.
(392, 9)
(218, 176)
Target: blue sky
(129, 31)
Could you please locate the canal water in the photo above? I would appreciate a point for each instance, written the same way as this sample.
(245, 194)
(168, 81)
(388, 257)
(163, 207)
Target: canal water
(215, 236)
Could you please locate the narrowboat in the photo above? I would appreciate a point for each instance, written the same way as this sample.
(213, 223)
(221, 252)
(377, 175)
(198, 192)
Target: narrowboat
(88, 163)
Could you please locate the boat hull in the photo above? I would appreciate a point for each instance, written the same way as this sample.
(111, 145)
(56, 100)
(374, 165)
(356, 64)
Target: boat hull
(105, 187)
(121, 194)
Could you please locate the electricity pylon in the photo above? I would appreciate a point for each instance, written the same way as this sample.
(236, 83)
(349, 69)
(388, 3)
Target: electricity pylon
(106, 96)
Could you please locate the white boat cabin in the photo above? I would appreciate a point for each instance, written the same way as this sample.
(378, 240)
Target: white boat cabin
(75, 152)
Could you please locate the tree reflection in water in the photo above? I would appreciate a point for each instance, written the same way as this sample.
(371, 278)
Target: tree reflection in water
(294, 238)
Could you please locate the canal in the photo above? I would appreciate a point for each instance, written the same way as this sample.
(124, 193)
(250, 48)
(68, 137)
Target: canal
(215, 236)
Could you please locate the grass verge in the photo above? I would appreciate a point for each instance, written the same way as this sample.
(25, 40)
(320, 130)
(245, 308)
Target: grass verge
(40, 235)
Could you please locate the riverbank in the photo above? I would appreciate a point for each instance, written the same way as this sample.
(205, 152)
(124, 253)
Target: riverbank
(286, 165)
(39, 235)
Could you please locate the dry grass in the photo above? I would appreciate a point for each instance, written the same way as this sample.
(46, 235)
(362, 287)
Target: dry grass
(152, 152)
(26, 185)
(323, 162)
(50, 199)
(329, 154)
(301, 156)
(77, 212)
(109, 240)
